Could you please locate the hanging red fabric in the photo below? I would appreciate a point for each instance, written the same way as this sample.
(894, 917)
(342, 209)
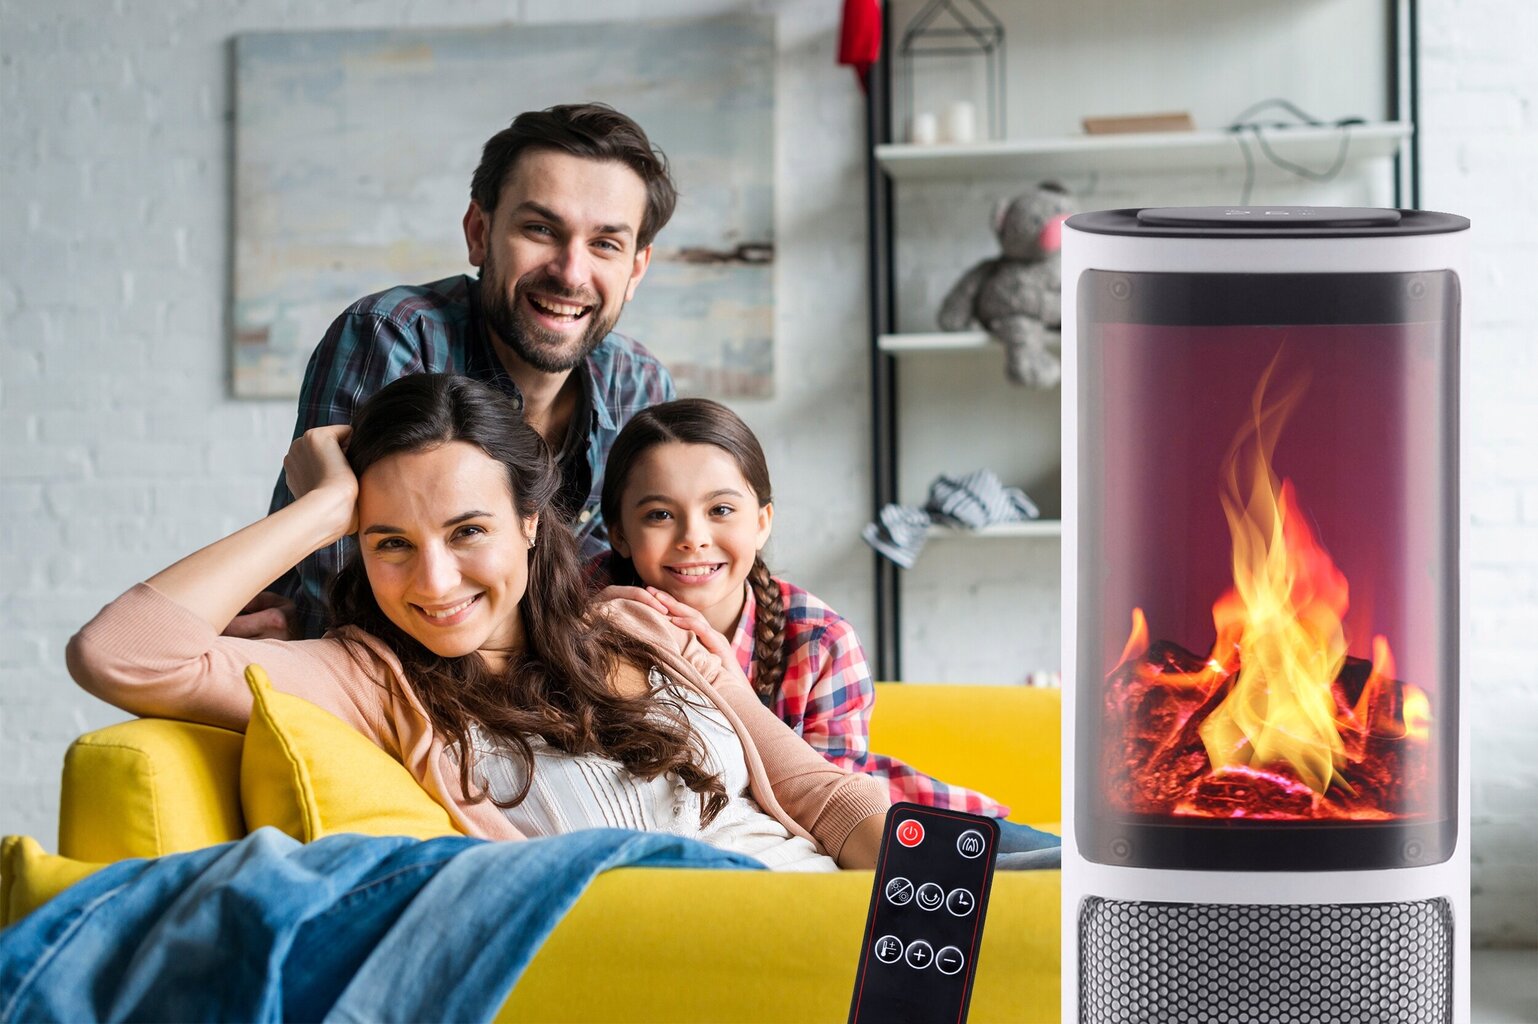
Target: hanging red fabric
(859, 41)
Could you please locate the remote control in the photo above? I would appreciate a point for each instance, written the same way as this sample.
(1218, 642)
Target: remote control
(925, 925)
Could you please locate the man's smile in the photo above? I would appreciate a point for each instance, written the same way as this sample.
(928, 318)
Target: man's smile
(556, 309)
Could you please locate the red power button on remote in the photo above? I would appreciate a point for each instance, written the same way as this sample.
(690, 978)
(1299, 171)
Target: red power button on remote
(910, 833)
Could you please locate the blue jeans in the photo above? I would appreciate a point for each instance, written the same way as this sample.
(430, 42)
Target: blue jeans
(1022, 848)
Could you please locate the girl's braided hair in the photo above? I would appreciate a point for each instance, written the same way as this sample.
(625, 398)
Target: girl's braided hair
(701, 421)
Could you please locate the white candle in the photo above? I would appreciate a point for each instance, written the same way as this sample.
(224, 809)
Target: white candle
(924, 129)
(960, 122)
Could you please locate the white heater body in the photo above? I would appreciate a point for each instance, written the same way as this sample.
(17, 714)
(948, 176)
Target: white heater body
(1129, 930)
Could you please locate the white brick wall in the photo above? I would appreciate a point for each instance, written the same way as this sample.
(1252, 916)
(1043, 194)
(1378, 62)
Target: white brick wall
(121, 449)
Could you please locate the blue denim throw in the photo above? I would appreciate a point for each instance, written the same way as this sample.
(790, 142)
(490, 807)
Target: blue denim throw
(347, 928)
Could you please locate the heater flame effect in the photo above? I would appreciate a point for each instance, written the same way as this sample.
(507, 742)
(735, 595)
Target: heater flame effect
(1264, 727)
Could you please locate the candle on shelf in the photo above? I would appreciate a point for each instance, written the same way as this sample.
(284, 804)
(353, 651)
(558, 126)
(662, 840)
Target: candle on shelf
(924, 129)
(960, 122)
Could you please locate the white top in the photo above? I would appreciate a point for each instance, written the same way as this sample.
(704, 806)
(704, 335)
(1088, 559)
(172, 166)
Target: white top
(572, 792)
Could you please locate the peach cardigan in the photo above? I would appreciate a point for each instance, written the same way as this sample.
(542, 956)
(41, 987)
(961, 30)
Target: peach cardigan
(148, 655)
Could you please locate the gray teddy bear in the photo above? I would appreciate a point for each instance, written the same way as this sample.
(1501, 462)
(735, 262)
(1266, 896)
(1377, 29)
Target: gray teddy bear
(1017, 297)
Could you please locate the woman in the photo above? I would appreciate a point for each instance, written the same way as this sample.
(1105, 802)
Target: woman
(464, 646)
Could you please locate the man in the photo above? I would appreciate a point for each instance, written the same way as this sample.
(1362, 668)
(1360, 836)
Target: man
(563, 210)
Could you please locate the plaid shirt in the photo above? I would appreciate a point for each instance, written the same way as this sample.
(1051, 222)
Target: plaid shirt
(827, 696)
(436, 328)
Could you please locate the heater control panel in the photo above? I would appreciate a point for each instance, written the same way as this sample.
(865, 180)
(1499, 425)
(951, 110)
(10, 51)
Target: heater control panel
(1282, 217)
(925, 924)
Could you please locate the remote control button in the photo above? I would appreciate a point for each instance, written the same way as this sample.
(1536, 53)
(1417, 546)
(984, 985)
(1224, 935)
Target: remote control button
(960, 902)
(910, 833)
(899, 891)
(889, 949)
(919, 954)
(930, 896)
(971, 844)
(949, 960)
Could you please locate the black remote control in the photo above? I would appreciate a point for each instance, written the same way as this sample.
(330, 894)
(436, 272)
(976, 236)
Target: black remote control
(925, 925)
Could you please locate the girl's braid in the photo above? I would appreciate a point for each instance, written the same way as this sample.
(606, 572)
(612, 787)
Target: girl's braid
(768, 632)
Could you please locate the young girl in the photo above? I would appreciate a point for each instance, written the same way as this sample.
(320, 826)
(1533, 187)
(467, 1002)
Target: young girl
(687, 500)
(465, 646)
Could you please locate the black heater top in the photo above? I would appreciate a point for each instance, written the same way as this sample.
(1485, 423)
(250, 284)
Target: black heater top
(1266, 222)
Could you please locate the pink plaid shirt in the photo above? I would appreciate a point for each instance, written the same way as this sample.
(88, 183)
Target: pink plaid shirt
(827, 696)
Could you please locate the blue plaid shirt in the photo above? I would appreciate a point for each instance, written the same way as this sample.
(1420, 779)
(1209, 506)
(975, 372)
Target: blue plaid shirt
(436, 328)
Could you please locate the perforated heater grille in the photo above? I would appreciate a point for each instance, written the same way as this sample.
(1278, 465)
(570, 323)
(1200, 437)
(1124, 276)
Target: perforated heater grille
(1202, 963)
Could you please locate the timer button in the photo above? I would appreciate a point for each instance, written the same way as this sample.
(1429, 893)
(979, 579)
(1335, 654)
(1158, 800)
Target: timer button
(960, 902)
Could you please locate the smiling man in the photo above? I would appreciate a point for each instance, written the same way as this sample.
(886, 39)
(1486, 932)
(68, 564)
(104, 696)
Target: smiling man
(563, 210)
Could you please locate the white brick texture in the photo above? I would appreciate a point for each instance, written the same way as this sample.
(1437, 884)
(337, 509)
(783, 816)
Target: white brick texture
(120, 448)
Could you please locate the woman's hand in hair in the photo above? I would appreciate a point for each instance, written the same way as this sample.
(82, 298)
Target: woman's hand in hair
(316, 464)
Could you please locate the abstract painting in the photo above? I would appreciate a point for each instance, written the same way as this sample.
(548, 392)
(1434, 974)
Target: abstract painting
(353, 156)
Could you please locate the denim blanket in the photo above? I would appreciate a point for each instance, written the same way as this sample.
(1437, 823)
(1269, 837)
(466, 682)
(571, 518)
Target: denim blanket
(347, 928)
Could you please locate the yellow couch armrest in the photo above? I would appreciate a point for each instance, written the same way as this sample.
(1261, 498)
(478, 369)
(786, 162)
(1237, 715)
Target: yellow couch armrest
(30, 877)
(150, 787)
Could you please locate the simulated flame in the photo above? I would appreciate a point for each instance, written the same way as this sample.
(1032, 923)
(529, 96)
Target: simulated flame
(1270, 708)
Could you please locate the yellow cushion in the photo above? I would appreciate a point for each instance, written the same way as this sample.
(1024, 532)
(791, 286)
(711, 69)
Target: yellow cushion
(149, 787)
(1000, 740)
(310, 774)
(30, 877)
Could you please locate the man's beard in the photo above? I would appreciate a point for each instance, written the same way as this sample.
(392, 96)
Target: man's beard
(509, 319)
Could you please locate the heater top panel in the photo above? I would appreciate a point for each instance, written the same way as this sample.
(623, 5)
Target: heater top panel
(1266, 222)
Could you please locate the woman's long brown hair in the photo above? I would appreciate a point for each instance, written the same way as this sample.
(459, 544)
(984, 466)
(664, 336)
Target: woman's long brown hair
(558, 686)
(701, 421)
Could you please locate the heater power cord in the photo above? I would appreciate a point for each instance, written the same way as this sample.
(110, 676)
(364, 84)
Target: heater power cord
(1243, 125)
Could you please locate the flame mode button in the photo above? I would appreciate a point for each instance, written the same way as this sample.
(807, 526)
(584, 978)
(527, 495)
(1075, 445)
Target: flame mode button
(971, 844)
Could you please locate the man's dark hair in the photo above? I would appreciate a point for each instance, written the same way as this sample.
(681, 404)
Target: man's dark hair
(593, 130)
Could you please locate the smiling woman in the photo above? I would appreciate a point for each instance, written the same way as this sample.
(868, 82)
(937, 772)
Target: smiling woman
(465, 645)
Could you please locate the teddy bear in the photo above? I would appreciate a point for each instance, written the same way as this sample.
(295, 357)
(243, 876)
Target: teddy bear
(1017, 296)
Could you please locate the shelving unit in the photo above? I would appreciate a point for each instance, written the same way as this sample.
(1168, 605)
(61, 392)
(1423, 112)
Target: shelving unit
(939, 341)
(1134, 153)
(892, 164)
(1003, 531)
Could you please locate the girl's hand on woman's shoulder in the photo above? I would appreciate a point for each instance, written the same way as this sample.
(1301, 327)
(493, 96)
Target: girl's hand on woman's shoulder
(316, 464)
(693, 620)
(614, 592)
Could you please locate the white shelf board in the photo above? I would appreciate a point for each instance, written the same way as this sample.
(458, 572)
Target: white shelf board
(1034, 528)
(942, 341)
(1143, 151)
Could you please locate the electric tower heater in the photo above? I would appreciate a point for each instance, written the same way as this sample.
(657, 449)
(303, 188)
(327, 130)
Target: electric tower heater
(1266, 795)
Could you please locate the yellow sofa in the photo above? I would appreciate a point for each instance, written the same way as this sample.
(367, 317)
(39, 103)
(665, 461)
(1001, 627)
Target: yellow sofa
(643, 944)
